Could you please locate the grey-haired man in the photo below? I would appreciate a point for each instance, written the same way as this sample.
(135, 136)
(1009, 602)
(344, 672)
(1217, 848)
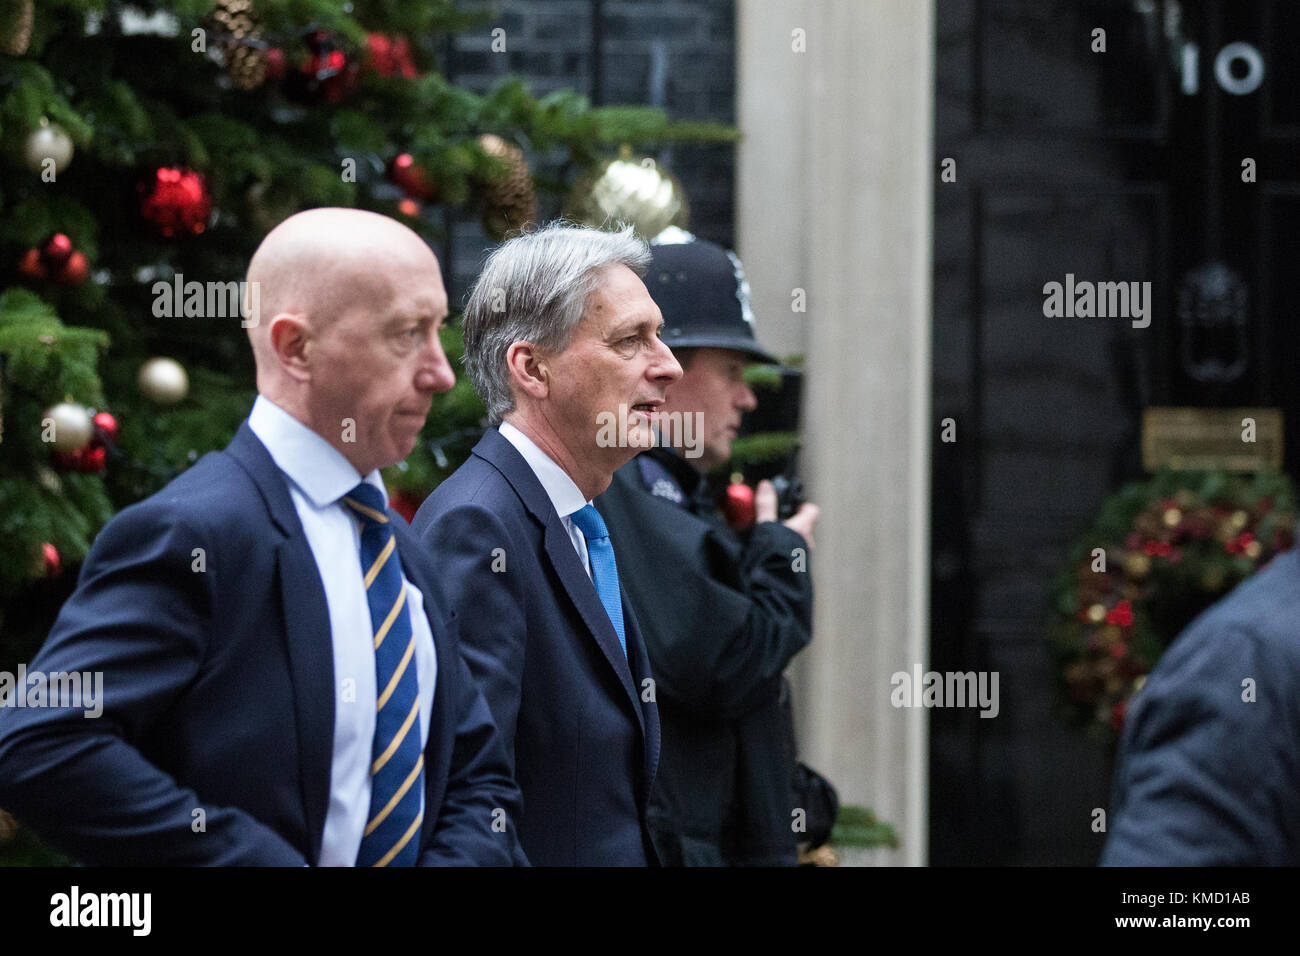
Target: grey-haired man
(562, 342)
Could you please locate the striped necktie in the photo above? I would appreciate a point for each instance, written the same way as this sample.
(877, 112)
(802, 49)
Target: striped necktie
(391, 836)
(604, 571)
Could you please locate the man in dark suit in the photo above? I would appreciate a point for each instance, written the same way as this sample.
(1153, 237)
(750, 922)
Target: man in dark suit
(562, 342)
(739, 607)
(1209, 766)
(281, 682)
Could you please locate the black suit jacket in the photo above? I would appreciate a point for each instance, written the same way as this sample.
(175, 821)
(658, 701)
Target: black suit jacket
(578, 717)
(204, 609)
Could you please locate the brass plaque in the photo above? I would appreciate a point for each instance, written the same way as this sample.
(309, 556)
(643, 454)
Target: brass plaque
(1205, 439)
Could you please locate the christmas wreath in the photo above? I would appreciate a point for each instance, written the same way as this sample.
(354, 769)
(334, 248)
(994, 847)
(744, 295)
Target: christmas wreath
(1159, 553)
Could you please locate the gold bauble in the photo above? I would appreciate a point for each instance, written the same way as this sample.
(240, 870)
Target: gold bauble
(1172, 516)
(72, 428)
(49, 141)
(1097, 613)
(633, 190)
(1137, 565)
(164, 381)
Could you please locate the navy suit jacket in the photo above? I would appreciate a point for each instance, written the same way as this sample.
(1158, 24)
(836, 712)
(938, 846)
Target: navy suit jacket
(218, 689)
(1209, 765)
(578, 717)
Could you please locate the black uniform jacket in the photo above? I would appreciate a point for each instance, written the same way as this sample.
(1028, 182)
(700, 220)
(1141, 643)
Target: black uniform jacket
(721, 617)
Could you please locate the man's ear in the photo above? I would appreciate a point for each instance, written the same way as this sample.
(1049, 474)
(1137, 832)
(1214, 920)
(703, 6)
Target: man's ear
(528, 370)
(290, 342)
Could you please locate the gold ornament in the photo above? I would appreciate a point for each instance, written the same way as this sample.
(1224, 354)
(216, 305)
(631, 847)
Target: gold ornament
(512, 199)
(240, 43)
(1172, 517)
(49, 141)
(1097, 613)
(1252, 550)
(71, 428)
(633, 190)
(16, 27)
(1137, 565)
(163, 380)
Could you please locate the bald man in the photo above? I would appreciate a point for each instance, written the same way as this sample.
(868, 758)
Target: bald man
(281, 682)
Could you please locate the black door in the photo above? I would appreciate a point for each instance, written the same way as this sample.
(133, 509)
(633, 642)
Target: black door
(1130, 163)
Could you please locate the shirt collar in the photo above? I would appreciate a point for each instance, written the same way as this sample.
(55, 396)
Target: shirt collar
(560, 488)
(316, 467)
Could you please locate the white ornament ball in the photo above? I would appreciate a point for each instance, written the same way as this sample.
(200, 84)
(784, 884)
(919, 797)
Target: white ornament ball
(48, 142)
(164, 381)
(72, 426)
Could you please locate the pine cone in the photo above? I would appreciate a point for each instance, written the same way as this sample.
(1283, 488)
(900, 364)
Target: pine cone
(511, 200)
(239, 39)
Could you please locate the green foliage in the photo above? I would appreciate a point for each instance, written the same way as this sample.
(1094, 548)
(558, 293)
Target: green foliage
(858, 827)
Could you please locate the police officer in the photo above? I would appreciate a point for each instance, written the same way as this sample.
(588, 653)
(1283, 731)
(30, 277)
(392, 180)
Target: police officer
(722, 615)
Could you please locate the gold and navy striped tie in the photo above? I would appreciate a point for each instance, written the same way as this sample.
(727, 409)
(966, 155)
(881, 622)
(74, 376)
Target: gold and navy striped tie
(392, 834)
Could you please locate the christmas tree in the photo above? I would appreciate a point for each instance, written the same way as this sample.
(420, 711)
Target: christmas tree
(147, 148)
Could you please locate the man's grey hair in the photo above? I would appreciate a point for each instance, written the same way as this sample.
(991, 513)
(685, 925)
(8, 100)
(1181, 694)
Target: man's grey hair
(534, 289)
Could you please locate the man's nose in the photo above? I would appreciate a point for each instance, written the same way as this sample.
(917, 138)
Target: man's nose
(748, 400)
(435, 373)
(664, 367)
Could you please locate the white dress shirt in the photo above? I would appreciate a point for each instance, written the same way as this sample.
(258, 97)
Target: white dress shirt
(318, 476)
(560, 488)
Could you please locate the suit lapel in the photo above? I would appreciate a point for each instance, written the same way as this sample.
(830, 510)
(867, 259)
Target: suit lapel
(502, 455)
(306, 632)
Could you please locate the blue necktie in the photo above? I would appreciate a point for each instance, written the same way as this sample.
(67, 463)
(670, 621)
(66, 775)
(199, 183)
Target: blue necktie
(604, 571)
(391, 836)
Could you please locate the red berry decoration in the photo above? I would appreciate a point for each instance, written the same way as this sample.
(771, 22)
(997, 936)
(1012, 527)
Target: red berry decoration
(738, 506)
(106, 427)
(75, 271)
(176, 202)
(30, 265)
(391, 56)
(66, 460)
(93, 460)
(412, 180)
(56, 250)
(326, 74)
(51, 563)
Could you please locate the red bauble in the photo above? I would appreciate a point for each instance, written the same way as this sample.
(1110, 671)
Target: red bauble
(106, 426)
(738, 506)
(56, 250)
(67, 460)
(391, 56)
(408, 207)
(176, 202)
(412, 180)
(93, 460)
(51, 563)
(404, 504)
(274, 63)
(326, 74)
(75, 271)
(30, 265)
